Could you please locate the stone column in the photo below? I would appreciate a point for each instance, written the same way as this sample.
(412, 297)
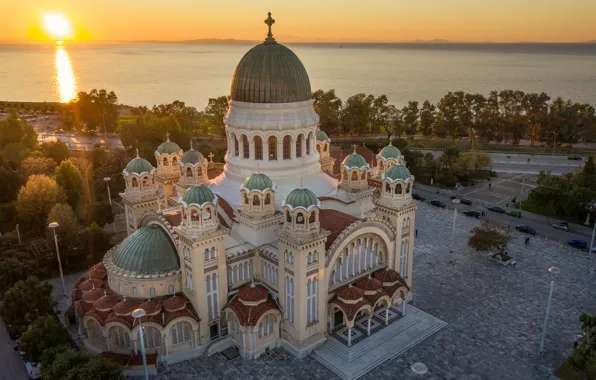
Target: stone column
(135, 347)
(241, 147)
(165, 344)
(108, 343)
(349, 336)
(266, 149)
(387, 316)
(403, 307)
(368, 327)
(303, 147)
(254, 344)
(243, 342)
(196, 336)
(280, 149)
(292, 148)
(251, 148)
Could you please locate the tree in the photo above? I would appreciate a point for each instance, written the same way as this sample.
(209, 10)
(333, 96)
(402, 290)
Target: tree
(69, 179)
(215, 112)
(86, 171)
(45, 332)
(449, 157)
(410, 117)
(328, 106)
(37, 165)
(62, 362)
(427, 118)
(14, 270)
(56, 150)
(583, 357)
(357, 113)
(97, 368)
(15, 131)
(464, 163)
(95, 241)
(11, 182)
(380, 114)
(67, 219)
(25, 301)
(187, 117)
(36, 199)
(489, 237)
(96, 110)
(482, 161)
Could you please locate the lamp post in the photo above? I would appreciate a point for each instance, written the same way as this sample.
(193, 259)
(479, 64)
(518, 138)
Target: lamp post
(593, 230)
(553, 272)
(18, 234)
(139, 313)
(107, 181)
(53, 226)
(554, 142)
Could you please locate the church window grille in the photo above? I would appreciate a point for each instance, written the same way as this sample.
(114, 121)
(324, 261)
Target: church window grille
(134, 182)
(255, 200)
(152, 337)
(121, 337)
(245, 146)
(354, 176)
(272, 147)
(268, 199)
(299, 145)
(258, 148)
(212, 299)
(171, 289)
(180, 333)
(236, 148)
(152, 292)
(287, 149)
(388, 188)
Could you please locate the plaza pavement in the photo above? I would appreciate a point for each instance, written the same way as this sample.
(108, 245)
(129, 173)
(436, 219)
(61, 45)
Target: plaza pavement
(494, 313)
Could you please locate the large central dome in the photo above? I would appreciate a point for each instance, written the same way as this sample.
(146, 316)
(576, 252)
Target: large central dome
(270, 73)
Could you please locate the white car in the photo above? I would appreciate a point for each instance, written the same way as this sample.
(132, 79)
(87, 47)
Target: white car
(33, 370)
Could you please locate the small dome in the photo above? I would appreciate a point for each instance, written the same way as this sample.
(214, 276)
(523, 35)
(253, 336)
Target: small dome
(301, 198)
(151, 307)
(125, 307)
(258, 181)
(93, 295)
(397, 172)
(351, 293)
(390, 152)
(369, 284)
(193, 157)
(322, 136)
(175, 303)
(270, 73)
(253, 293)
(106, 302)
(139, 165)
(387, 275)
(354, 160)
(168, 147)
(87, 285)
(198, 195)
(148, 250)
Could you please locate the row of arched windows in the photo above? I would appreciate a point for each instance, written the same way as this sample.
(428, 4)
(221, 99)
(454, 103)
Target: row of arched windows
(361, 255)
(256, 199)
(269, 272)
(289, 257)
(259, 153)
(210, 254)
(403, 261)
(398, 190)
(312, 257)
(240, 272)
(406, 223)
(266, 327)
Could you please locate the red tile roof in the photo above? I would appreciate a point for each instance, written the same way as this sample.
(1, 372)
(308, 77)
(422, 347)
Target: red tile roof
(249, 315)
(174, 303)
(225, 206)
(350, 310)
(106, 302)
(350, 293)
(174, 219)
(87, 285)
(369, 283)
(125, 307)
(335, 222)
(151, 307)
(373, 298)
(253, 293)
(340, 154)
(214, 172)
(93, 295)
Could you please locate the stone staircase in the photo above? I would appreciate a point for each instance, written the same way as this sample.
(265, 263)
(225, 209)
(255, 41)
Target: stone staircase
(353, 362)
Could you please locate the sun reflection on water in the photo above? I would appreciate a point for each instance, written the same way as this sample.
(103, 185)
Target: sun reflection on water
(66, 83)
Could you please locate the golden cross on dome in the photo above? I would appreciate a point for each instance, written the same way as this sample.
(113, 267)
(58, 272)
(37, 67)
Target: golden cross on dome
(168, 136)
(269, 23)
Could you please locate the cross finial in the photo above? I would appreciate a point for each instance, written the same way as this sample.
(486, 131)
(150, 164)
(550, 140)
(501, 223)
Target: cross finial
(191, 145)
(258, 167)
(301, 185)
(138, 153)
(269, 21)
(168, 136)
(354, 148)
(211, 155)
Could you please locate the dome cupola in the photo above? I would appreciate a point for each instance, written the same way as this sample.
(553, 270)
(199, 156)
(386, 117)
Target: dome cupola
(354, 172)
(199, 210)
(389, 156)
(302, 209)
(258, 196)
(397, 183)
(168, 155)
(139, 176)
(193, 168)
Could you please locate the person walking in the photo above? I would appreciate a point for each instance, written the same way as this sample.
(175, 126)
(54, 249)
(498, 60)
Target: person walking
(527, 240)
(451, 256)
(416, 234)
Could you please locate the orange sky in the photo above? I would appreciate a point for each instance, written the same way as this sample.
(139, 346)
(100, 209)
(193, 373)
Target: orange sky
(309, 20)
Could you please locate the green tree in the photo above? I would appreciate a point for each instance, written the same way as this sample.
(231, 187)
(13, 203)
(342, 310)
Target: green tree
(86, 170)
(36, 199)
(464, 163)
(380, 114)
(97, 368)
(62, 362)
(95, 241)
(14, 270)
(96, 110)
(25, 301)
(215, 112)
(357, 113)
(37, 165)
(45, 332)
(410, 117)
(187, 117)
(67, 219)
(482, 161)
(56, 150)
(427, 118)
(328, 106)
(489, 237)
(15, 131)
(11, 182)
(449, 157)
(69, 179)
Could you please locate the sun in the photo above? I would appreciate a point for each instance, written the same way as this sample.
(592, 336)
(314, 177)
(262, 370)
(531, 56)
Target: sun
(57, 26)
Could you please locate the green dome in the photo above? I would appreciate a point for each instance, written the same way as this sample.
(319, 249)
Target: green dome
(354, 160)
(138, 165)
(168, 147)
(270, 73)
(389, 152)
(322, 136)
(301, 198)
(397, 172)
(198, 195)
(258, 182)
(148, 250)
(193, 157)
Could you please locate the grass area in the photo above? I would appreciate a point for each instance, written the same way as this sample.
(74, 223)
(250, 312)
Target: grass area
(530, 207)
(566, 371)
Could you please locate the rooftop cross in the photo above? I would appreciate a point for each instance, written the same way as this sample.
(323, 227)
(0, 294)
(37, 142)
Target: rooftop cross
(211, 155)
(354, 148)
(138, 152)
(269, 22)
(168, 136)
(191, 145)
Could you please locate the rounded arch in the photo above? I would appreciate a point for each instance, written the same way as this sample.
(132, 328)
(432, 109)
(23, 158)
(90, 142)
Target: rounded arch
(274, 312)
(194, 324)
(134, 334)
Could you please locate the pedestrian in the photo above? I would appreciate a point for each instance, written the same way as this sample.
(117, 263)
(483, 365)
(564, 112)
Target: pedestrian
(451, 256)
(506, 204)
(527, 240)
(416, 234)
(489, 185)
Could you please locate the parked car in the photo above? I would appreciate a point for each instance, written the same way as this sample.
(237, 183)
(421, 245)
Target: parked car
(575, 158)
(563, 226)
(578, 243)
(472, 213)
(33, 370)
(418, 197)
(526, 229)
(437, 203)
(498, 209)
(465, 201)
(17, 348)
(516, 214)
(452, 197)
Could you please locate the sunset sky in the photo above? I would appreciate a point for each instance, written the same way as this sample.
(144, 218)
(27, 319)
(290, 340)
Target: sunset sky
(307, 20)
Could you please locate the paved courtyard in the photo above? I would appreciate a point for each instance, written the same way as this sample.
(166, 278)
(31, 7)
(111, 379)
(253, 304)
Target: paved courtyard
(494, 313)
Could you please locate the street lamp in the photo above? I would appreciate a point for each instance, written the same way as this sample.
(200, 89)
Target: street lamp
(592, 208)
(554, 142)
(107, 181)
(53, 226)
(139, 313)
(553, 272)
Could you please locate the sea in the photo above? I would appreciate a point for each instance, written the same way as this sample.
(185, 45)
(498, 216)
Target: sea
(155, 73)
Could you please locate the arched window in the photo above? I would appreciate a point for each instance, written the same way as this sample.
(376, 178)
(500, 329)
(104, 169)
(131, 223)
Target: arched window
(152, 292)
(174, 162)
(258, 148)
(312, 217)
(120, 337)
(134, 182)
(398, 189)
(189, 172)
(318, 149)
(213, 253)
(272, 147)
(345, 174)
(152, 337)
(194, 215)
(363, 176)
(95, 331)
(145, 181)
(171, 289)
(206, 254)
(245, 146)
(299, 145)
(308, 143)
(388, 188)
(300, 218)
(199, 171)
(325, 148)
(236, 148)
(255, 200)
(165, 161)
(288, 217)
(134, 291)
(268, 199)
(180, 332)
(354, 175)
(287, 147)
(408, 188)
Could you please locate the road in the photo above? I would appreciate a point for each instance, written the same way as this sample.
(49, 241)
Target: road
(518, 163)
(11, 364)
(542, 225)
